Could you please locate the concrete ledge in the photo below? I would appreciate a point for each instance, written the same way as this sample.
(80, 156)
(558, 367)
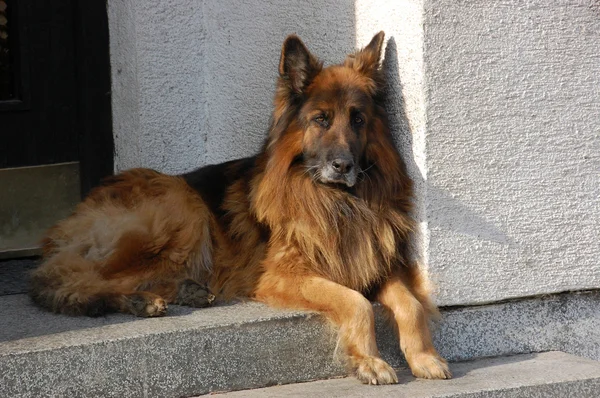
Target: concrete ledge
(189, 352)
(193, 352)
(549, 374)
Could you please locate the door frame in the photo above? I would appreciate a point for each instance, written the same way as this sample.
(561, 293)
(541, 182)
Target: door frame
(96, 144)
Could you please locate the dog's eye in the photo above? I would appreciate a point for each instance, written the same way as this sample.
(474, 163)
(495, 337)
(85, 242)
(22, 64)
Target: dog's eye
(359, 121)
(321, 119)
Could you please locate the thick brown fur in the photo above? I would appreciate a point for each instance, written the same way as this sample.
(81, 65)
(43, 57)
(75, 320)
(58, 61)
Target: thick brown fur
(318, 220)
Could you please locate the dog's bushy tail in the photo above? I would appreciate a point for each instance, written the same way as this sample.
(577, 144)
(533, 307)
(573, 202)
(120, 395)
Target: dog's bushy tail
(66, 283)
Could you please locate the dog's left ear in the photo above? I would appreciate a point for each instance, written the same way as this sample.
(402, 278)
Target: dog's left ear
(366, 61)
(297, 66)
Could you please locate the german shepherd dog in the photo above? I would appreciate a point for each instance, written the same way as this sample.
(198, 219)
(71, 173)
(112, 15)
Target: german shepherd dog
(318, 220)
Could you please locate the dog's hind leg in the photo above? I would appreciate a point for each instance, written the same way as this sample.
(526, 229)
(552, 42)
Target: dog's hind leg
(346, 308)
(68, 284)
(156, 279)
(180, 291)
(410, 315)
(145, 304)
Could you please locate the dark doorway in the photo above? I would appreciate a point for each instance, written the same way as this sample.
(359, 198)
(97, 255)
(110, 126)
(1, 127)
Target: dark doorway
(55, 113)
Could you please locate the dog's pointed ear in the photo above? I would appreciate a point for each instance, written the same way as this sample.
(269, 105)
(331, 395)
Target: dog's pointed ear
(297, 66)
(366, 61)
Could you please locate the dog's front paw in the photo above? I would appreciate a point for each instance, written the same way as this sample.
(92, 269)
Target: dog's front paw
(372, 370)
(193, 294)
(429, 366)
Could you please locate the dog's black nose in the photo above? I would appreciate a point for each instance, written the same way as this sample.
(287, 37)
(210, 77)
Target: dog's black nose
(341, 165)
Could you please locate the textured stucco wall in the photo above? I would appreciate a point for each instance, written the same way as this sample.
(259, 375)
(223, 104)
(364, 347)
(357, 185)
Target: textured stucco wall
(513, 147)
(495, 105)
(242, 58)
(193, 80)
(158, 73)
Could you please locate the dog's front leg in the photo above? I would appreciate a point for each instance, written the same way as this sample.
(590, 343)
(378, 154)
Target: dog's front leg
(346, 308)
(415, 338)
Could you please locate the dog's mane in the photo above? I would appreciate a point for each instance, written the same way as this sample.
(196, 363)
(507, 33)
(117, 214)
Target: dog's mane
(354, 237)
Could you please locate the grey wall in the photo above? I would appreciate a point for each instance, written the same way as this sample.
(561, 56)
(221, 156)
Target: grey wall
(495, 106)
(513, 147)
(193, 80)
(158, 77)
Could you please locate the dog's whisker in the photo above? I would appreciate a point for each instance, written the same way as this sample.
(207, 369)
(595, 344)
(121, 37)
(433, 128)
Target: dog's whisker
(365, 170)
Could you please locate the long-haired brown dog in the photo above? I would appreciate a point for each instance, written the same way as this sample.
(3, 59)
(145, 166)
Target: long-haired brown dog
(318, 220)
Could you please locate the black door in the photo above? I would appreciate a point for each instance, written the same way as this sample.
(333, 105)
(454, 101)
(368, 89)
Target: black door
(55, 126)
(38, 96)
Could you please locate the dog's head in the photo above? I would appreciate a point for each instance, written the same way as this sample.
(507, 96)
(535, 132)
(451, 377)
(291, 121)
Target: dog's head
(331, 111)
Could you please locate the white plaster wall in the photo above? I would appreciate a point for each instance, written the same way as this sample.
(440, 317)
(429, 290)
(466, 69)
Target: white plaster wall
(495, 106)
(193, 80)
(242, 59)
(159, 99)
(513, 147)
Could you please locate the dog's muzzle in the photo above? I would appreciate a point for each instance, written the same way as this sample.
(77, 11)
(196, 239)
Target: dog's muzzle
(339, 171)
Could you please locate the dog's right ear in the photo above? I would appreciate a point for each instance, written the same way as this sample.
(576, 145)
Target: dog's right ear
(366, 61)
(297, 66)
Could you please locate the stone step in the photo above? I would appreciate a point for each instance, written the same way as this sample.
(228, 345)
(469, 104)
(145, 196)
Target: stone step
(549, 375)
(248, 345)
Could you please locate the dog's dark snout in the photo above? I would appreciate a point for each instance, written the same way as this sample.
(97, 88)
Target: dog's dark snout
(342, 165)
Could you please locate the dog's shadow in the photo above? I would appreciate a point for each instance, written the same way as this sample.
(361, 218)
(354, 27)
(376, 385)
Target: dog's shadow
(450, 213)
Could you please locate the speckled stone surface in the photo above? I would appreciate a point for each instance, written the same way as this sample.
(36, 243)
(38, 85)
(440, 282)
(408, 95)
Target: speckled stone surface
(548, 375)
(248, 345)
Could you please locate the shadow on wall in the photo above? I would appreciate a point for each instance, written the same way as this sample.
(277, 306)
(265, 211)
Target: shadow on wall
(456, 215)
